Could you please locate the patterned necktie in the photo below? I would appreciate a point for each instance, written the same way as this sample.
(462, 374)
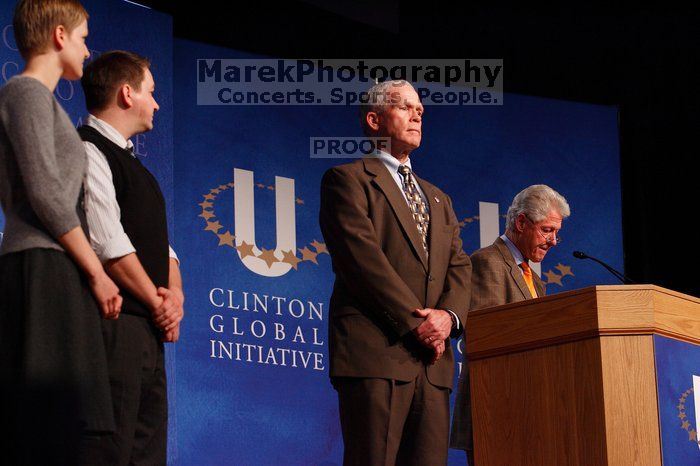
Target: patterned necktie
(417, 205)
(527, 275)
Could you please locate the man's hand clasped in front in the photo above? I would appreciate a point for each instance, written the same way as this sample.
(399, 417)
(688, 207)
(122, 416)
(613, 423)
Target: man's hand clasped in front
(434, 330)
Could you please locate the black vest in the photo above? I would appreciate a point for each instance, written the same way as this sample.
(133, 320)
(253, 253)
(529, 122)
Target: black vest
(142, 213)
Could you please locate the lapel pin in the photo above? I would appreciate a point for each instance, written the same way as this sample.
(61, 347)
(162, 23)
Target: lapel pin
(436, 199)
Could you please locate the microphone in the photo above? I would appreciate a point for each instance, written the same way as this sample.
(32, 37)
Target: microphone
(618, 275)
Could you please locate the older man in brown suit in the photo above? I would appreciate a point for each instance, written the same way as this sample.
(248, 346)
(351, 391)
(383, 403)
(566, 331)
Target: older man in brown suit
(502, 274)
(401, 291)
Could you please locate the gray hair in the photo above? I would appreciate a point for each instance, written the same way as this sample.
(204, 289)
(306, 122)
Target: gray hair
(378, 96)
(536, 202)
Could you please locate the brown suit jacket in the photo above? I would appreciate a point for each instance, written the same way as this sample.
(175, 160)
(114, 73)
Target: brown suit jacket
(496, 280)
(382, 274)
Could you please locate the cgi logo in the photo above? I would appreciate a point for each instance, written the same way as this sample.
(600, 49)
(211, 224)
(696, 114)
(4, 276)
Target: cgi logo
(266, 262)
(682, 414)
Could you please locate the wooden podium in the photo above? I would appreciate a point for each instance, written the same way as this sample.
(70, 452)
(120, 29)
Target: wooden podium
(570, 379)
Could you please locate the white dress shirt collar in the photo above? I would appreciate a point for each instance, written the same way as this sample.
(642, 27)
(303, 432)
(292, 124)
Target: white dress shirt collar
(109, 132)
(392, 163)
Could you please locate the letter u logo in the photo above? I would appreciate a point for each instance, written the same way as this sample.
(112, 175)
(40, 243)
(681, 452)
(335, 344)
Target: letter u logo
(244, 217)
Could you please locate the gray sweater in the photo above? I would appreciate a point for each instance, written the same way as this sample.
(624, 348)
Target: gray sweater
(42, 165)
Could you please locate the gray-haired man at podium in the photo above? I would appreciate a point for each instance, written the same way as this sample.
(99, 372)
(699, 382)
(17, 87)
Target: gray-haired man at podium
(501, 274)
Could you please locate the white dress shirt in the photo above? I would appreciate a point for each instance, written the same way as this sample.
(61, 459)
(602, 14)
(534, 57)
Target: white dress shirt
(107, 235)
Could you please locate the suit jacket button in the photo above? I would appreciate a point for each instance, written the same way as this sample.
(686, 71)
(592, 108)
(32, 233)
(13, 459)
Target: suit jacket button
(430, 278)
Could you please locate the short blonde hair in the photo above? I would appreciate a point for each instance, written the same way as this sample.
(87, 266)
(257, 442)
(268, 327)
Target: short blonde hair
(35, 21)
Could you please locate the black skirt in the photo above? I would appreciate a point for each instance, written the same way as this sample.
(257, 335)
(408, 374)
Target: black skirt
(51, 343)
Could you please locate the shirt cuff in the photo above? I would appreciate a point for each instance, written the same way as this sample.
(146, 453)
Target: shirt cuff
(173, 255)
(459, 324)
(115, 247)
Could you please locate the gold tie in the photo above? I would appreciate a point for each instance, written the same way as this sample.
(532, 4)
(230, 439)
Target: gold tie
(527, 275)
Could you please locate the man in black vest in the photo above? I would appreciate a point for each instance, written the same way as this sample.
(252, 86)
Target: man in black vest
(128, 231)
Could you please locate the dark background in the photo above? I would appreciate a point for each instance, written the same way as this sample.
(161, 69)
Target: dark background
(645, 60)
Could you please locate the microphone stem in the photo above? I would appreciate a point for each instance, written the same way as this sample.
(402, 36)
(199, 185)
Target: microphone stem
(617, 274)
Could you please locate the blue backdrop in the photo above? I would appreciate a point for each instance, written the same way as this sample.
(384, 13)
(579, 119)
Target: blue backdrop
(248, 380)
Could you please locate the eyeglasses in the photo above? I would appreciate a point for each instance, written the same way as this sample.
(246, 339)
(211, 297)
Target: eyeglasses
(550, 238)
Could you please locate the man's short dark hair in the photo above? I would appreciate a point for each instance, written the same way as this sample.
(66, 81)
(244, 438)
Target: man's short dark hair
(105, 75)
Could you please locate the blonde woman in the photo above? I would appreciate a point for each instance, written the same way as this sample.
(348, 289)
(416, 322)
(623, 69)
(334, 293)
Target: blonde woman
(52, 285)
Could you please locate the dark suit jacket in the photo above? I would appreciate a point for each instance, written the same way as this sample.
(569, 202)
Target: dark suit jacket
(382, 274)
(496, 280)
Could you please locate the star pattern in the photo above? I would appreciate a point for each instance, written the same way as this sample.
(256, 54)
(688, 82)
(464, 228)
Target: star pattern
(245, 249)
(308, 255)
(206, 215)
(553, 277)
(291, 259)
(320, 247)
(462, 223)
(213, 226)
(226, 239)
(268, 255)
(685, 424)
(564, 270)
